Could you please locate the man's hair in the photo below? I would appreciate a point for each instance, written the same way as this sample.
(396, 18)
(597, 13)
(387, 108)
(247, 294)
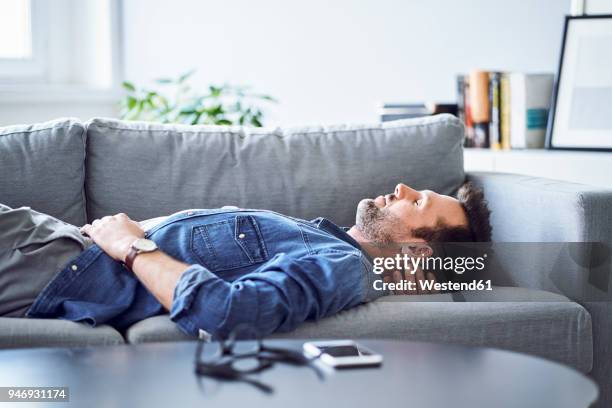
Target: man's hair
(477, 212)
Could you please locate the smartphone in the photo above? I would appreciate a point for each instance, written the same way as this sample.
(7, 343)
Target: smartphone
(342, 353)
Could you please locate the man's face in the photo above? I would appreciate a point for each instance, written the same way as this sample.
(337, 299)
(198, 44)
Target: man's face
(393, 217)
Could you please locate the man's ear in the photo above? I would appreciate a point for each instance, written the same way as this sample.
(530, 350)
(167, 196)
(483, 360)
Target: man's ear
(418, 249)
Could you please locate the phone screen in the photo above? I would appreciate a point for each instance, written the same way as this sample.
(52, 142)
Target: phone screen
(343, 351)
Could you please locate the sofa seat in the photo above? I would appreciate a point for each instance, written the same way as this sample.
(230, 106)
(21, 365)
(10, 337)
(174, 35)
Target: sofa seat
(22, 333)
(525, 320)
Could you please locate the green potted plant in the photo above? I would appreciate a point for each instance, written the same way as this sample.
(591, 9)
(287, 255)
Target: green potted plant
(176, 101)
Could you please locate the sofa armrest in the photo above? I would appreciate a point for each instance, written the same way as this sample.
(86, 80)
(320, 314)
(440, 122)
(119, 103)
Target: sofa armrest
(556, 236)
(534, 209)
(550, 235)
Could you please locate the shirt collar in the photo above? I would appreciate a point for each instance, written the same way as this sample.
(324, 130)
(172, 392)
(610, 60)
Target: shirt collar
(339, 232)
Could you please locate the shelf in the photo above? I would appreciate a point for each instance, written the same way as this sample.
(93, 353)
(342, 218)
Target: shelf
(594, 168)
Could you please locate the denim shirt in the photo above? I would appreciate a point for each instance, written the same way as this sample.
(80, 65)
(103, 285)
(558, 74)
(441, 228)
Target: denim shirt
(246, 266)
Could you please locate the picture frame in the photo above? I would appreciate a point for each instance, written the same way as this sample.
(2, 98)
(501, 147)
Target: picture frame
(580, 117)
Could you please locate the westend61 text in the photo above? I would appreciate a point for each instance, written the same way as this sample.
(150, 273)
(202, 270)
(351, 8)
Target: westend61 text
(429, 285)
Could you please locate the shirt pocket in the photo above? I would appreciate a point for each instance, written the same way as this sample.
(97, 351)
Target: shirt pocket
(228, 244)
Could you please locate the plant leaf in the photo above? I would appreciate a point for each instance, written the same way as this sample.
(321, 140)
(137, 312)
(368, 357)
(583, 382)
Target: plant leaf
(131, 102)
(223, 121)
(215, 91)
(256, 122)
(186, 75)
(128, 86)
(267, 98)
(164, 80)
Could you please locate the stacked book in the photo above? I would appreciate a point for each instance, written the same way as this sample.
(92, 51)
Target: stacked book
(504, 110)
(397, 111)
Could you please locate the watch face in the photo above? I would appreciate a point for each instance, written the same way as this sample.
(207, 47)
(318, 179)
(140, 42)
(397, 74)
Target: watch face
(144, 245)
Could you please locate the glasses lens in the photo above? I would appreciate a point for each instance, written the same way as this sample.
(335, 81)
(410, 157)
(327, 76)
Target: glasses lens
(248, 364)
(246, 348)
(211, 353)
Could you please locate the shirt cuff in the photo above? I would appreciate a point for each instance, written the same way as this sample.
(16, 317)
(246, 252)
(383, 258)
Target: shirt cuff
(186, 289)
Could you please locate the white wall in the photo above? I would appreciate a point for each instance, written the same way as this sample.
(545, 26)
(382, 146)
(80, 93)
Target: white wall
(30, 110)
(335, 60)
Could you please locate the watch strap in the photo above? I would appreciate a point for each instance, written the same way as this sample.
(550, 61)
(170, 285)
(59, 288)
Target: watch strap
(131, 255)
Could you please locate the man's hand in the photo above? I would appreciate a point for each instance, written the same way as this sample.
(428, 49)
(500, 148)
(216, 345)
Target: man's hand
(156, 270)
(114, 234)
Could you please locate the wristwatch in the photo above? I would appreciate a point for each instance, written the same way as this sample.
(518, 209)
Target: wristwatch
(139, 246)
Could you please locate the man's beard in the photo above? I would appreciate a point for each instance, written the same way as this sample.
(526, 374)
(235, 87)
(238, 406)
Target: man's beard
(377, 225)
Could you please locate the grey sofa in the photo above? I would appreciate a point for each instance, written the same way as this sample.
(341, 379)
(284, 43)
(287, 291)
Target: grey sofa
(549, 300)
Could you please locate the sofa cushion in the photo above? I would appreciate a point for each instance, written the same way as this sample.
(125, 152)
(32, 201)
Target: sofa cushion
(23, 332)
(558, 329)
(43, 167)
(529, 321)
(148, 170)
(155, 329)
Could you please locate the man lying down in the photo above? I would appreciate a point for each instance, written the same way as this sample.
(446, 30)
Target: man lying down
(215, 269)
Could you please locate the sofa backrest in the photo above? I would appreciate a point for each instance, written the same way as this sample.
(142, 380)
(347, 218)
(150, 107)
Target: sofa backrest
(147, 170)
(42, 166)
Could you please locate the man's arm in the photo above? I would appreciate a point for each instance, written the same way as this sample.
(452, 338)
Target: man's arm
(157, 271)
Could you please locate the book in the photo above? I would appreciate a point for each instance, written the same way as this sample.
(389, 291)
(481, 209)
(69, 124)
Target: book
(495, 112)
(437, 108)
(460, 98)
(467, 106)
(480, 110)
(529, 103)
(397, 111)
(504, 119)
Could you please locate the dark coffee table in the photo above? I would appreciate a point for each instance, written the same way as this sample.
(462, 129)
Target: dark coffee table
(412, 375)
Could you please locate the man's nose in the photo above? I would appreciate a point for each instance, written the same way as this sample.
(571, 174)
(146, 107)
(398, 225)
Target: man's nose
(402, 191)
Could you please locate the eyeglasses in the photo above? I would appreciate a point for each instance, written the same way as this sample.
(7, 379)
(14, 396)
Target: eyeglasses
(234, 360)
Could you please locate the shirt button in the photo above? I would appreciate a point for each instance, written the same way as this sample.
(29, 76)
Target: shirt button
(241, 235)
(74, 267)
